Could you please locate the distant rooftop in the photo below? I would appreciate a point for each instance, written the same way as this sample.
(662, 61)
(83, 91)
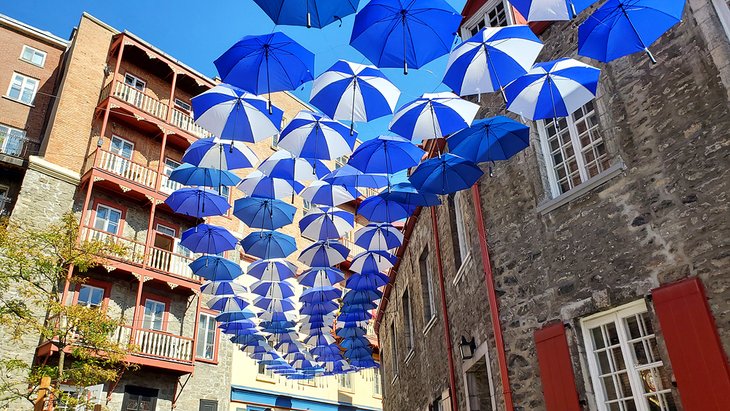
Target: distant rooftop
(33, 31)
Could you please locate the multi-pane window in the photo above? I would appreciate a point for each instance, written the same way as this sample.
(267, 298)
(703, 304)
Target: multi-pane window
(182, 105)
(4, 200)
(265, 372)
(377, 382)
(134, 82)
(427, 291)
(139, 399)
(574, 149)
(107, 219)
(341, 161)
(495, 15)
(459, 238)
(11, 140)
(90, 296)
(393, 349)
(22, 88)
(154, 313)
(206, 337)
(123, 149)
(626, 369)
(408, 321)
(344, 381)
(33, 56)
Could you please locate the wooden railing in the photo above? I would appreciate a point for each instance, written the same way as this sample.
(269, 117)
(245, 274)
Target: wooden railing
(126, 168)
(134, 250)
(184, 122)
(167, 186)
(169, 262)
(163, 345)
(139, 99)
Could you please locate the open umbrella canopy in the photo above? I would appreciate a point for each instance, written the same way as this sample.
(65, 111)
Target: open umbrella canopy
(209, 239)
(320, 294)
(264, 213)
(281, 310)
(325, 223)
(354, 92)
(490, 139)
(550, 10)
(223, 288)
(372, 262)
(322, 276)
(197, 202)
(227, 303)
(404, 33)
(266, 63)
(445, 174)
(378, 236)
(319, 308)
(405, 193)
(269, 244)
(323, 193)
(364, 363)
(553, 89)
(233, 114)
(220, 154)
(229, 316)
(355, 342)
(355, 316)
(324, 253)
(247, 338)
(380, 210)
(273, 289)
(491, 59)
(353, 308)
(326, 352)
(309, 13)
(313, 136)
(258, 184)
(347, 332)
(272, 270)
(338, 367)
(319, 340)
(386, 155)
(362, 296)
(190, 175)
(623, 27)
(233, 326)
(370, 281)
(348, 175)
(433, 115)
(283, 164)
(277, 327)
(215, 268)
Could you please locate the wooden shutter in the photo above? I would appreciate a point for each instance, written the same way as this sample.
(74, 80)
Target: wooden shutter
(695, 352)
(556, 369)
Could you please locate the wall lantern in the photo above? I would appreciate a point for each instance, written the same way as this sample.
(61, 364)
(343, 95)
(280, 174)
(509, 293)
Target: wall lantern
(467, 348)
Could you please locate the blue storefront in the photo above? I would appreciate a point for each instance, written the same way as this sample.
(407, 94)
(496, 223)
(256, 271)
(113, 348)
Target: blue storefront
(250, 399)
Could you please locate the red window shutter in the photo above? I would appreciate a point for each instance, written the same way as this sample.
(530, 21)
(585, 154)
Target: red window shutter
(556, 369)
(695, 351)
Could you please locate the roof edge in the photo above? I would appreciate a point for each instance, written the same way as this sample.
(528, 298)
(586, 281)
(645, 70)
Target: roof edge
(34, 31)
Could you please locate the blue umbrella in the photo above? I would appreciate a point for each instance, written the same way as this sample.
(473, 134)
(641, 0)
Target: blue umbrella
(319, 308)
(321, 276)
(354, 92)
(266, 63)
(364, 363)
(233, 326)
(378, 236)
(283, 164)
(319, 339)
(403, 33)
(209, 239)
(326, 352)
(227, 303)
(386, 155)
(347, 332)
(445, 174)
(372, 262)
(273, 289)
(355, 342)
(190, 175)
(623, 27)
(310, 13)
(257, 184)
(271, 270)
(197, 202)
(490, 139)
(215, 268)
(229, 316)
(264, 213)
(247, 338)
(276, 310)
(433, 115)
(406, 193)
(325, 223)
(326, 253)
(313, 136)
(277, 327)
(356, 316)
(379, 210)
(348, 175)
(320, 294)
(550, 10)
(220, 154)
(353, 308)
(362, 296)
(269, 244)
(370, 281)
(222, 288)
(233, 114)
(553, 89)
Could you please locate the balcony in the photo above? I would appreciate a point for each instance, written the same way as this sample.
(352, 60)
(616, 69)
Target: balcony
(354, 248)
(184, 122)
(126, 169)
(157, 344)
(15, 149)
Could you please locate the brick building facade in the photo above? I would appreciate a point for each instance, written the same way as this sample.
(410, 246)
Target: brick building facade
(597, 247)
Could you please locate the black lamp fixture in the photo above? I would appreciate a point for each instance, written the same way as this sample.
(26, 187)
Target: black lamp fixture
(467, 348)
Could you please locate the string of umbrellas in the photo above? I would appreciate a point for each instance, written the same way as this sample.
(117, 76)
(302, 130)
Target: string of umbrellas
(324, 330)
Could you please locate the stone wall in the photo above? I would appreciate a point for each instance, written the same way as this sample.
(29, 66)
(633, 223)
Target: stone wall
(664, 218)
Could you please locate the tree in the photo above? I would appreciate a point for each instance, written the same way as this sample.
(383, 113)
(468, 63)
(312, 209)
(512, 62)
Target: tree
(35, 265)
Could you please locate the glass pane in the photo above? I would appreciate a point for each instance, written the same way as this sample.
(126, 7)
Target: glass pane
(612, 333)
(609, 387)
(27, 53)
(598, 338)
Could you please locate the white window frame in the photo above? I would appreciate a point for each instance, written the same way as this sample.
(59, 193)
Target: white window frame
(209, 320)
(182, 105)
(408, 326)
(136, 81)
(377, 383)
(34, 52)
(124, 141)
(266, 376)
(341, 161)
(463, 238)
(152, 317)
(617, 317)
(430, 299)
(106, 221)
(344, 382)
(11, 134)
(482, 15)
(24, 81)
(93, 288)
(394, 350)
(577, 148)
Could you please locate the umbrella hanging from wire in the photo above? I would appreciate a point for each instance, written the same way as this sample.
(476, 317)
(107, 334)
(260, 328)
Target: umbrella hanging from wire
(312, 136)
(220, 154)
(264, 213)
(190, 175)
(433, 115)
(379, 236)
(349, 176)
(370, 262)
(445, 174)
(325, 253)
(325, 223)
(258, 184)
(491, 139)
(215, 268)
(269, 244)
(550, 10)
(323, 193)
(209, 239)
(283, 164)
(386, 155)
(197, 202)
(322, 276)
(308, 13)
(272, 270)
(405, 193)
(379, 210)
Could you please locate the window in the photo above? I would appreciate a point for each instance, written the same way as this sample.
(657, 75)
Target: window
(573, 148)
(208, 405)
(341, 161)
(267, 374)
(121, 147)
(407, 322)
(12, 141)
(427, 291)
(306, 206)
(458, 236)
(90, 296)
(134, 82)
(107, 219)
(154, 314)
(139, 399)
(206, 336)
(22, 88)
(183, 105)
(478, 389)
(393, 349)
(495, 15)
(377, 382)
(33, 56)
(74, 398)
(4, 200)
(344, 381)
(436, 405)
(623, 358)
(275, 137)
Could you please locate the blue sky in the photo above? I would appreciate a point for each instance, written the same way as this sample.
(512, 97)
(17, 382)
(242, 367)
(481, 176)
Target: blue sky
(197, 33)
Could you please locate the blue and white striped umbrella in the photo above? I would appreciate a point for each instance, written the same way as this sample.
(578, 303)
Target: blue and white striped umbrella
(323, 193)
(285, 165)
(326, 223)
(322, 276)
(433, 115)
(273, 289)
(313, 136)
(350, 176)
(550, 10)
(220, 154)
(271, 270)
(222, 288)
(258, 184)
(320, 294)
(491, 59)
(324, 254)
(354, 92)
(372, 262)
(553, 89)
(233, 114)
(379, 236)
(227, 303)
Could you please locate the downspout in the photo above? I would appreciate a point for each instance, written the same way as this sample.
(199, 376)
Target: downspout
(444, 308)
(492, 296)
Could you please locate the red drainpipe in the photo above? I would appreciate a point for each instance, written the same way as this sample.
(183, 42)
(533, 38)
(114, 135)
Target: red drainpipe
(492, 295)
(447, 327)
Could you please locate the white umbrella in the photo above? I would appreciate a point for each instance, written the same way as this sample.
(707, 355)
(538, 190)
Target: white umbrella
(323, 193)
(311, 135)
(433, 115)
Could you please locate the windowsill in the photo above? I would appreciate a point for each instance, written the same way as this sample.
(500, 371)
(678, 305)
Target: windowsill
(395, 378)
(409, 357)
(378, 396)
(32, 64)
(347, 390)
(429, 325)
(464, 263)
(18, 101)
(207, 361)
(582, 189)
